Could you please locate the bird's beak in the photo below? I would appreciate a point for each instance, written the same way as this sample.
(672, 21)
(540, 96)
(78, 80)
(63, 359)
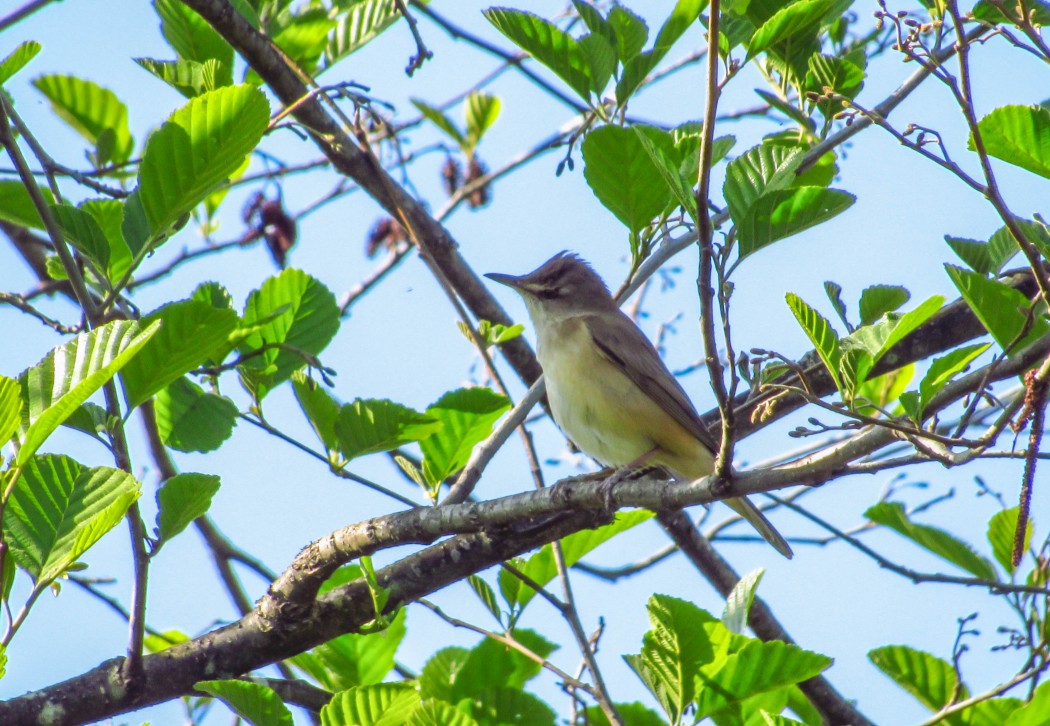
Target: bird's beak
(508, 280)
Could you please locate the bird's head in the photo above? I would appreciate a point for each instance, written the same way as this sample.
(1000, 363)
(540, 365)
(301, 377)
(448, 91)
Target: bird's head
(562, 286)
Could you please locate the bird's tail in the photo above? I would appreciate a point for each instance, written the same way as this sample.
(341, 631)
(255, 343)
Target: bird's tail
(747, 510)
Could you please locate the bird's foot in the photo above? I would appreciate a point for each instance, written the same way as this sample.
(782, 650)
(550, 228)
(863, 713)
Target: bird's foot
(605, 489)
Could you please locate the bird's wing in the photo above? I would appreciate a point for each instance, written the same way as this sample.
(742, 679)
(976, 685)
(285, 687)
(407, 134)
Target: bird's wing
(615, 333)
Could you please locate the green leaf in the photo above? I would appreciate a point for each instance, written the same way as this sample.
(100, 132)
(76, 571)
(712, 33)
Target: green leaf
(487, 596)
(541, 567)
(10, 408)
(989, 258)
(16, 206)
(189, 419)
(56, 386)
(17, 59)
(1034, 712)
(255, 703)
(305, 38)
(931, 680)
(361, 23)
(440, 675)
(1002, 309)
(834, 292)
(942, 370)
(878, 300)
(59, 509)
(786, 212)
(547, 43)
(840, 75)
(820, 333)
(383, 704)
(134, 226)
(108, 214)
(793, 24)
(878, 339)
(601, 60)
(91, 111)
(354, 658)
(680, 190)
(738, 603)
(482, 110)
(1019, 135)
(641, 65)
(623, 176)
(301, 317)
(634, 714)
(756, 668)
(83, 231)
(1002, 528)
(188, 77)
(320, 408)
(196, 149)
(506, 705)
(439, 713)
(467, 416)
(193, 38)
(932, 539)
(368, 426)
(491, 664)
(630, 30)
(191, 334)
(673, 651)
(765, 168)
(181, 499)
(439, 119)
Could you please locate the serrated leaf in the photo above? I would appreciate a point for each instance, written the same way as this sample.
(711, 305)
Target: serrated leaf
(368, 426)
(108, 214)
(738, 603)
(634, 714)
(764, 168)
(59, 509)
(439, 713)
(383, 704)
(188, 77)
(506, 705)
(673, 651)
(354, 658)
(630, 31)
(755, 668)
(16, 206)
(305, 38)
(931, 680)
(600, 55)
(440, 674)
(786, 212)
(191, 334)
(17, 59)
(877, 300)
(843, 77)
(466, 417)
(193, 38)
(255, 703)
(934, 540)
(361, 23)
(1002, 309)
(541, 567)
(878, 339)
(481, 110)
(623, 176)
(91, 111)
(834, 292)
(942, 370)
(10, 408)
(641, 65)
(678, 188)
(83, 231)
(547, 43)
(301, 316)
(181, 499)
(196, 149)
(1019, 135)
(442, 121)
(320, 408)
(189, 419)
(796, 24)
(56, 386)
(487, 596)
(491, 664)
(1034, 712)
(820, 333)
(1002, 528)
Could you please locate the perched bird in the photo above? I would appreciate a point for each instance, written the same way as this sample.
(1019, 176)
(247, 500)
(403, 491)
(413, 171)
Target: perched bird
(609, 390)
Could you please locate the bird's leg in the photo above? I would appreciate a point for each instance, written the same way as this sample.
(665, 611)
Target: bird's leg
(621, 473)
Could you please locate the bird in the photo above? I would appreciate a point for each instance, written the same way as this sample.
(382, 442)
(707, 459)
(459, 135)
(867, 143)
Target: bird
(609, 390)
